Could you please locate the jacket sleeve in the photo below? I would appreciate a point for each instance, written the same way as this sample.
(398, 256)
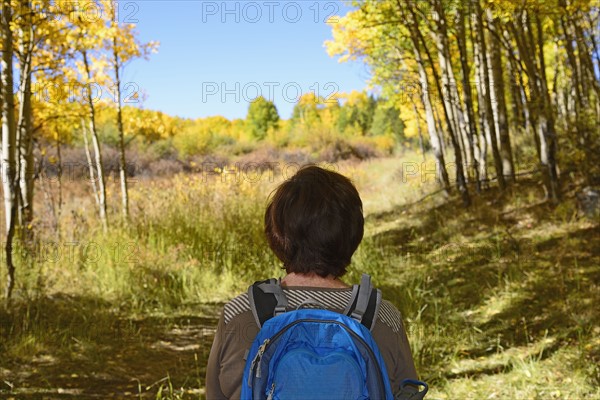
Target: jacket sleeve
(213, 368)
(226, 360)
(405, 365)
(395, 349)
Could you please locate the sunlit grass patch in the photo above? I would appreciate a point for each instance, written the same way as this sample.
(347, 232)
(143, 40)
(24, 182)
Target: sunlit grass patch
(25, 346)
(526, 377)
(390, 182)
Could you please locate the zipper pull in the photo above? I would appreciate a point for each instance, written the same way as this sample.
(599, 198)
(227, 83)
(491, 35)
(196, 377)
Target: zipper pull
(256, 361)
(271, 392)
(261, 351)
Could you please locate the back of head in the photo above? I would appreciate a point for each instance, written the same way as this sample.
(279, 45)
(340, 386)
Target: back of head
(314, 222)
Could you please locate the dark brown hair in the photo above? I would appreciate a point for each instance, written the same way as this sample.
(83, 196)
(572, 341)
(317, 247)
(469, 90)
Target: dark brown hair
(314, 222)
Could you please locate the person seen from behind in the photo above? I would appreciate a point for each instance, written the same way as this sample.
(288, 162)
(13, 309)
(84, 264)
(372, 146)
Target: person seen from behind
(313, 223)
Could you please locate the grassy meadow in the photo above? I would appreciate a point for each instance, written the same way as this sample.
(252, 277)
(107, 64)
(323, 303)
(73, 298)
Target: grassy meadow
(499, 302)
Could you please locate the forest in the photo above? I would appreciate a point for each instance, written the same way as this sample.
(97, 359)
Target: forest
(475, 147)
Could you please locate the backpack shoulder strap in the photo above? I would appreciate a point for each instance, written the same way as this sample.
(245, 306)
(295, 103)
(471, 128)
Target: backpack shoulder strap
(267, 300)
(364, 303)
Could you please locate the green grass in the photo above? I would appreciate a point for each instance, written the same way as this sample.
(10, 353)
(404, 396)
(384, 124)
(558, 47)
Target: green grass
(499, 300)
(495, 307)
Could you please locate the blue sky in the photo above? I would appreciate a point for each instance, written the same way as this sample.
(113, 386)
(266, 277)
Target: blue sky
(214, 56)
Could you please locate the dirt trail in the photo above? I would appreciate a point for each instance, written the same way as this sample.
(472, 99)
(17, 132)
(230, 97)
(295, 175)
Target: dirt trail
(163, 355)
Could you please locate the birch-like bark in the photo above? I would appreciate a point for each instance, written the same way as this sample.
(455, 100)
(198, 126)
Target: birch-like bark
(468, 94)
(9, 144)
(96, 146)
(499, 103)
(434, 139)
(484, 125)
(25, 131)
(122, 160)
(449, 93)
(90, 162)
(59, 182)
(487, 106)
(548, 130)
(460, 176)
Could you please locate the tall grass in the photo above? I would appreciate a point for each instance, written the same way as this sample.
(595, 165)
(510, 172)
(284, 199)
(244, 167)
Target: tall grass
(191, 239)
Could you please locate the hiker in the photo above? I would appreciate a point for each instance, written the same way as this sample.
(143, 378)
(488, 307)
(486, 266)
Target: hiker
(313, 224)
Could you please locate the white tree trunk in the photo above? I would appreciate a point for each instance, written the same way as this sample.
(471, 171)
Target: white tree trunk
(122, 160)
(97, 150)
(434, 139)
(9, 139)
(24, 136)
(88, 156)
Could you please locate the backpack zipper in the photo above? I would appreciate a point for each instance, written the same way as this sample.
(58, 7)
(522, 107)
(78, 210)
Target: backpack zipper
(271, 392)
(264, 345)
(256, 361)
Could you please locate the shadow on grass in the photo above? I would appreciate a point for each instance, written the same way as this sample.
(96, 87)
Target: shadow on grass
(558, 293)
(83, 347)
(484, 280)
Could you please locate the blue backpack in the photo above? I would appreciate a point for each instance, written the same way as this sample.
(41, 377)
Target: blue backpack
(317, 353)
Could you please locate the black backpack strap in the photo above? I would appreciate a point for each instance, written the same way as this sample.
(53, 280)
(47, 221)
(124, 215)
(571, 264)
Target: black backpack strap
(364, 303)
(266, 300)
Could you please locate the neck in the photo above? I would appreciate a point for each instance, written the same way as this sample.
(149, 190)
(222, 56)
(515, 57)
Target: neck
(312, 280)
